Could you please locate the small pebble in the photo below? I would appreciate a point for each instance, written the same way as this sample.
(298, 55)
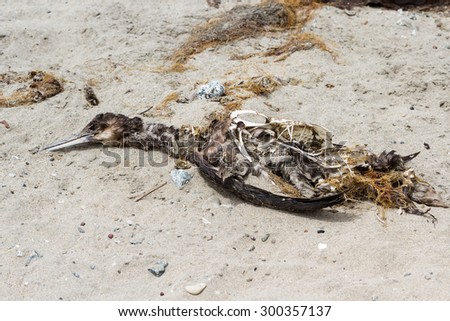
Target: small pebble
(92, 267)
(82, 224)
(75, 274)
(320, 231)
(12, 175)
(161, 293)
(33, 255)
(159, 268)
(80, 230)
(211, 90)
(265, 237)
(110, 235)
(252, 248)
(195, 289)
(426, 145)
(180, 177)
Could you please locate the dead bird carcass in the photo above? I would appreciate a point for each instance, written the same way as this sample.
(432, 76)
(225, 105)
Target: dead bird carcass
(277, 163)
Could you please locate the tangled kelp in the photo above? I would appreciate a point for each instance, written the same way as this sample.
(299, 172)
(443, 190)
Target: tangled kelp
(238, 23)
(296, 42)
(39, 85)
(237, 92)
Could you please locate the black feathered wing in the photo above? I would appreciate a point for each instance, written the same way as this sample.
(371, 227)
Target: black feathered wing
(261, 197)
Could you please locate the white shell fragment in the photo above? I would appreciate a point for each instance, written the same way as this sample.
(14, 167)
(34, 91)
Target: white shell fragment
(195, 289)
(322, 246)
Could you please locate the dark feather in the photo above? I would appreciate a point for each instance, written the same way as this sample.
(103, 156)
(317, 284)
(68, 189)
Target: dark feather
(258, 196)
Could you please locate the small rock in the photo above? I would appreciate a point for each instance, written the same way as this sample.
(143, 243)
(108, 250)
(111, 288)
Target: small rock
(252, 248)
(180, 177)
(406, 274)
(426, 145)
(92, 266)
(19, 253)
(80, 230)
(320, 230)
(159, 268)
(33, 255)
(110, 235)
(265, 237)
(195, 289)
(75, 274)
(211, 90)
(12, 175)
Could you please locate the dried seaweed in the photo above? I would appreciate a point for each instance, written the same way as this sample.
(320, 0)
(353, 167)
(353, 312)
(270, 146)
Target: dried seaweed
(394, 188)
(39, 85)
(238, 23)
(298, 42)
(238, 92)
(162, 109)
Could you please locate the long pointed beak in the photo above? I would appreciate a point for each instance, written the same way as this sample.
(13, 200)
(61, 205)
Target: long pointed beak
(70, 142)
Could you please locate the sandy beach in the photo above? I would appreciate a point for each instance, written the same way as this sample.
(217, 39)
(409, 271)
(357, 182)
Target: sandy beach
(70, 231)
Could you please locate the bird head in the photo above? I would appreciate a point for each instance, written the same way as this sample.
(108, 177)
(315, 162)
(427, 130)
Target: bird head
(107, 129)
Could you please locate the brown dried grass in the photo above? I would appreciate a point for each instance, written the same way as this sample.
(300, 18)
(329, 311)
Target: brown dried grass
(162, 109)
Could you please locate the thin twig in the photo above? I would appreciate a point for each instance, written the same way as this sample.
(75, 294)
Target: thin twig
(148, 109)
(147, 193)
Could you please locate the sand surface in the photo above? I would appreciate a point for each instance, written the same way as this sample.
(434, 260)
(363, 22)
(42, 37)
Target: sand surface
(388, 88)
